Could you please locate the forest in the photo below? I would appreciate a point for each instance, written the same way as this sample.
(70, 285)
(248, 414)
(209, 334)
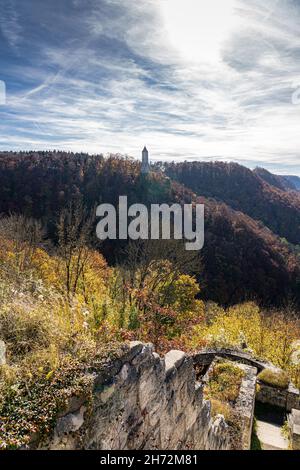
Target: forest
(250, 229)
(67, 302)
(64, 311)
(259, 194)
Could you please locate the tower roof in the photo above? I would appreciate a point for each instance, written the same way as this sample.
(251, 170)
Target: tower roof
(145, 149)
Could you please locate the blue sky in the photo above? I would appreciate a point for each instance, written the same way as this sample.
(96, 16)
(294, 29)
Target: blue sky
(191, 79)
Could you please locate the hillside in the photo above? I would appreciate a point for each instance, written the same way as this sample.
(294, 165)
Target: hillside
(279, 182)
(283, 182)
(294, 181)
(245, 191)
(241, 259)
(66, 363)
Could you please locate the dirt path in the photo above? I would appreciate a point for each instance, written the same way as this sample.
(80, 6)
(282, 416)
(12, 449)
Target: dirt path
(269, 422)
(270, 436)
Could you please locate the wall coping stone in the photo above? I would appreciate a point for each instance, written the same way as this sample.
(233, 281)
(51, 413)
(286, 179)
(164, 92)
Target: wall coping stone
(174, 359)
(235, 355)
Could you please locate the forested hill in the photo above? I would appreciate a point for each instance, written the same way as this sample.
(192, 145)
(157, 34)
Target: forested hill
(241, 259)
(281, 182)
(294, 181)
(245, 191)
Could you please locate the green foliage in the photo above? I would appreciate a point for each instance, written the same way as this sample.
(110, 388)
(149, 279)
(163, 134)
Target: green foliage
(133, 320)
(255, 442)
(30, 407)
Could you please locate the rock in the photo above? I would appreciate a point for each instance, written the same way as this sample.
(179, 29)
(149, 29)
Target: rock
(2, 353)
(138, 404)
(295, 429)
(70, 423)
(295, 359)
(108, 392)
(174, 359)
(134, 349)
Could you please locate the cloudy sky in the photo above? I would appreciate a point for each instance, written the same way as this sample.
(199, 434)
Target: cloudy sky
(191, 79)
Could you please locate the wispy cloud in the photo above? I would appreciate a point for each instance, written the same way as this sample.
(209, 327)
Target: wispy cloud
(108, 75)
(10, 26)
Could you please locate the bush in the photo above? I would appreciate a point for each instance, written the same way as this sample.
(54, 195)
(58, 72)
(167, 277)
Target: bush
(24, 331)
(278, 379)
(30, 407)
(224, 382)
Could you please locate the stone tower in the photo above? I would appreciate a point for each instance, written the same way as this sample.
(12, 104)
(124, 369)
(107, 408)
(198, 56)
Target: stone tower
(145, 161)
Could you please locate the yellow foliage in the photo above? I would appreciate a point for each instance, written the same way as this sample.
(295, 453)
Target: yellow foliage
(224, 381)
(268, 336)
(46, 267)
(181, 295)
(218, 407)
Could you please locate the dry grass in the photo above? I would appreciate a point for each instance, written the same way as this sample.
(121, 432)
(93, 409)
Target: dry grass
(23, 331)
(220, 408)
(224, 382)
(275, 379)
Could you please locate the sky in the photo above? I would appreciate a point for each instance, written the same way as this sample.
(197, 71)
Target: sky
(191, 79)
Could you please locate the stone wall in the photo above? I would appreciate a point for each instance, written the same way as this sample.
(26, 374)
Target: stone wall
(286, 399)
(245, 404)
(205, 357)
(294, 421)
(142, 401)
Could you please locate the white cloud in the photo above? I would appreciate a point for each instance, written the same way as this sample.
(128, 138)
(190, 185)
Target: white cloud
(9, 22)
(186, 79)
(198, 29)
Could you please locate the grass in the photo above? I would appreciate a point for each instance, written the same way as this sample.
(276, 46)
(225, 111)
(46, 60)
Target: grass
(30, 406)
(220, 408)
(25, 331)
(286, 431)
(224, 382)
(50, 349)
(222, 390)
(276, 379)
(255, 442)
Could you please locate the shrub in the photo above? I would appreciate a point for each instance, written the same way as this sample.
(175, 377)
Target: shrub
(30, 407)
(224, 381)
(278, 379)
(23, 330)
(269, 335)
(286, 431)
